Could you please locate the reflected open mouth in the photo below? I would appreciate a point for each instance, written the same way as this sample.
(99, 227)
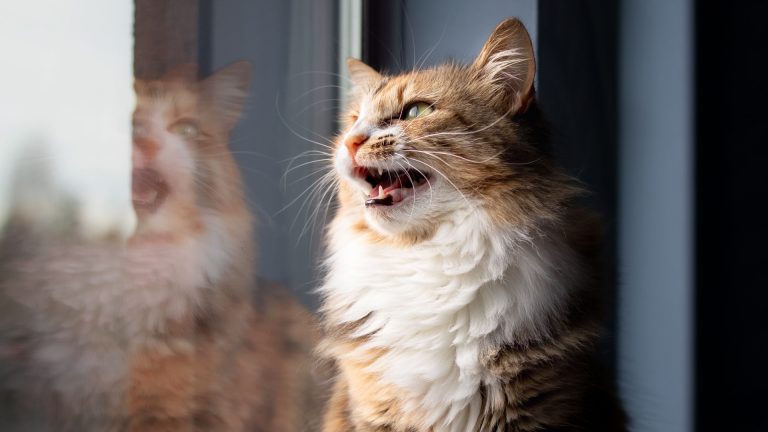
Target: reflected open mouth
(149, 189)
(389, 187)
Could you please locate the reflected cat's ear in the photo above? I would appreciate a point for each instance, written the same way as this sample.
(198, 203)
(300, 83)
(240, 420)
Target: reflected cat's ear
(362, 75)
(506, 63)
(226, 91)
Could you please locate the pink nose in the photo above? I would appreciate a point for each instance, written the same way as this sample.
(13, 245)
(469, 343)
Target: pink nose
(353, 143)
(144, 151)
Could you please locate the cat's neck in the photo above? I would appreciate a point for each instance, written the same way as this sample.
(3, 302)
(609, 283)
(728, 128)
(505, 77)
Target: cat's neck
(442, 302)
(532, 271)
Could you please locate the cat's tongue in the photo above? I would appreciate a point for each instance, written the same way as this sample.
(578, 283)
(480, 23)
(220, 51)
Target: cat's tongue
(148, 189)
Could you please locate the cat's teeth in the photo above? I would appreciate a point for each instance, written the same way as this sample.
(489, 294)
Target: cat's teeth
(381, 192)
(381, 171)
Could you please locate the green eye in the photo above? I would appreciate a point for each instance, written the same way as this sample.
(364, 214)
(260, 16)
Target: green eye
(417, 109)
(185, 129)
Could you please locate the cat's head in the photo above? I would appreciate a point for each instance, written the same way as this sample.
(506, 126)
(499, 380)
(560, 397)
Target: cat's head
(182, 167)
(420, 146)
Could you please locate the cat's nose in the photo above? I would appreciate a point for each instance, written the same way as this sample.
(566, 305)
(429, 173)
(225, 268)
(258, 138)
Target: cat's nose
(353, 143)
(147, 148)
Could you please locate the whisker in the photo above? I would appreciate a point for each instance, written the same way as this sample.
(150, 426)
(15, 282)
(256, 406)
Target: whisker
(312, 219)
(297, 134)
(289, 170)
(426, 56)
(454, 155)
(312, 90)
(413, 204)
(315, 103)
(329, 184)
(426, 177)
(313, 173)
(413, 35)
(448, 180)
(432, 153)
(307, 153)
(303, 193)
(313, 191)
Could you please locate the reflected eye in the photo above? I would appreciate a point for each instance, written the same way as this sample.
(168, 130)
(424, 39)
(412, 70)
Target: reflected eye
(417, 109)
(140, 130)
(185, 129)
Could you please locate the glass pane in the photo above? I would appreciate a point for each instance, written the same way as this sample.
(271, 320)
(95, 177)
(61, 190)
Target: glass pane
(161, 212)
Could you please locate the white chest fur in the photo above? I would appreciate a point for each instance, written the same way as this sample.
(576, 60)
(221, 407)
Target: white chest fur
(82, 309)
(434, 304)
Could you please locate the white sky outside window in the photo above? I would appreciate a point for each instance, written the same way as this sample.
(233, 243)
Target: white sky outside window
(66, 99)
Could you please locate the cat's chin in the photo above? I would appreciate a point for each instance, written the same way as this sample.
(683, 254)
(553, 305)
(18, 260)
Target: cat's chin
(401, 225)
(382, 222)
(415, 217)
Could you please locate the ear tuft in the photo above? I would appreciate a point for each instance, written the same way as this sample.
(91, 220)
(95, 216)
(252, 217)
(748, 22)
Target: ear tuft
(362, 75)
(226, 92)
(507, 63)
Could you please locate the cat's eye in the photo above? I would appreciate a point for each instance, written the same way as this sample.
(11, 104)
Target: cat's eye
(416, 110)
(185, 129)
(140, 130)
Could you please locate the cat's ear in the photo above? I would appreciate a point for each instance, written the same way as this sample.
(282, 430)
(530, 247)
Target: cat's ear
(506, 63)
(362, 75)
(226, 91)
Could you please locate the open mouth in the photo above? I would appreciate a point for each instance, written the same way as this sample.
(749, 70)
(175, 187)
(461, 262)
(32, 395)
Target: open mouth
(148, 188)
(389, 187)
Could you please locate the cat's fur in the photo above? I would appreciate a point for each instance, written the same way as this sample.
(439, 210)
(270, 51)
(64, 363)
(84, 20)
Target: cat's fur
(470, 305)
(159, 334)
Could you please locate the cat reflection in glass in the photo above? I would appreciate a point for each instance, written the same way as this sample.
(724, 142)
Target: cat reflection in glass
(160, 333)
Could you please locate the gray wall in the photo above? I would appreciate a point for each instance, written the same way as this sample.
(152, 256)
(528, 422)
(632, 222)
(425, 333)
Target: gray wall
(433, 32)
(458, 29)
(656, 214)
(292, 47)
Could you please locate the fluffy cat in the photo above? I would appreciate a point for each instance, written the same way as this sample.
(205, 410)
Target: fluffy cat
(159, 334)
(461, 278)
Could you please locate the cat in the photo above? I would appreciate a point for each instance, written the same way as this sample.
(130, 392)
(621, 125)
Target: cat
(162, 333)
(460, 292)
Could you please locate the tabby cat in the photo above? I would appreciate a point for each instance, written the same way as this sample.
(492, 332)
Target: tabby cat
(461, 278)
(162, 333)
